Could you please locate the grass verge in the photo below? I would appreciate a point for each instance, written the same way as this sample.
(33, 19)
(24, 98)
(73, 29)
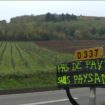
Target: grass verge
(35, 80)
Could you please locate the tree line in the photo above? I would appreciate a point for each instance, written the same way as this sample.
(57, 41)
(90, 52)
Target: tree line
(52, 27)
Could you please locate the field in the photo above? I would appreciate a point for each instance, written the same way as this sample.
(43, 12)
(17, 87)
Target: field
(70, 46)
(25, 65)
(33, 64)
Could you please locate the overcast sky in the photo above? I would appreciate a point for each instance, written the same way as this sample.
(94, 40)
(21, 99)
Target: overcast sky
(10, 9)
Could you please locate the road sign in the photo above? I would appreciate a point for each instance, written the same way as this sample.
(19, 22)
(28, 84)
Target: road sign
(87, 73)
(89, 53)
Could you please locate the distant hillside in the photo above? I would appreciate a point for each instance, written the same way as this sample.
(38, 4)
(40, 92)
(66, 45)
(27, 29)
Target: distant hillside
(52, 27)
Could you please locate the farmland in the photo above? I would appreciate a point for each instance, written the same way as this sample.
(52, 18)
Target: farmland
(70, 46)
(33, 64)
(26, 65)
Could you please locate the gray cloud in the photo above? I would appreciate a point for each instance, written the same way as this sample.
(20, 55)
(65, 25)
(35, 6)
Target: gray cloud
(10, 9)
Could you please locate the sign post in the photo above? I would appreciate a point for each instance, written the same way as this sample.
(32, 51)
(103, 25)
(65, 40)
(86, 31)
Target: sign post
(91, 53)
(92, 96)
(87, 71)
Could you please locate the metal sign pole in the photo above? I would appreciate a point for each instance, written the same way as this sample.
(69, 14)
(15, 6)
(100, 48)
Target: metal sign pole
(92, 96)
(71, 99)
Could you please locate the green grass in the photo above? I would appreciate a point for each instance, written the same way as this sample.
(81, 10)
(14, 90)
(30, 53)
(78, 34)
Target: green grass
(25, 65)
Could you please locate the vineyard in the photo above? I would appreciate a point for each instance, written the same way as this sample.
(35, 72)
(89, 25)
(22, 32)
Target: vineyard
(26, 56)
(25, 61)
